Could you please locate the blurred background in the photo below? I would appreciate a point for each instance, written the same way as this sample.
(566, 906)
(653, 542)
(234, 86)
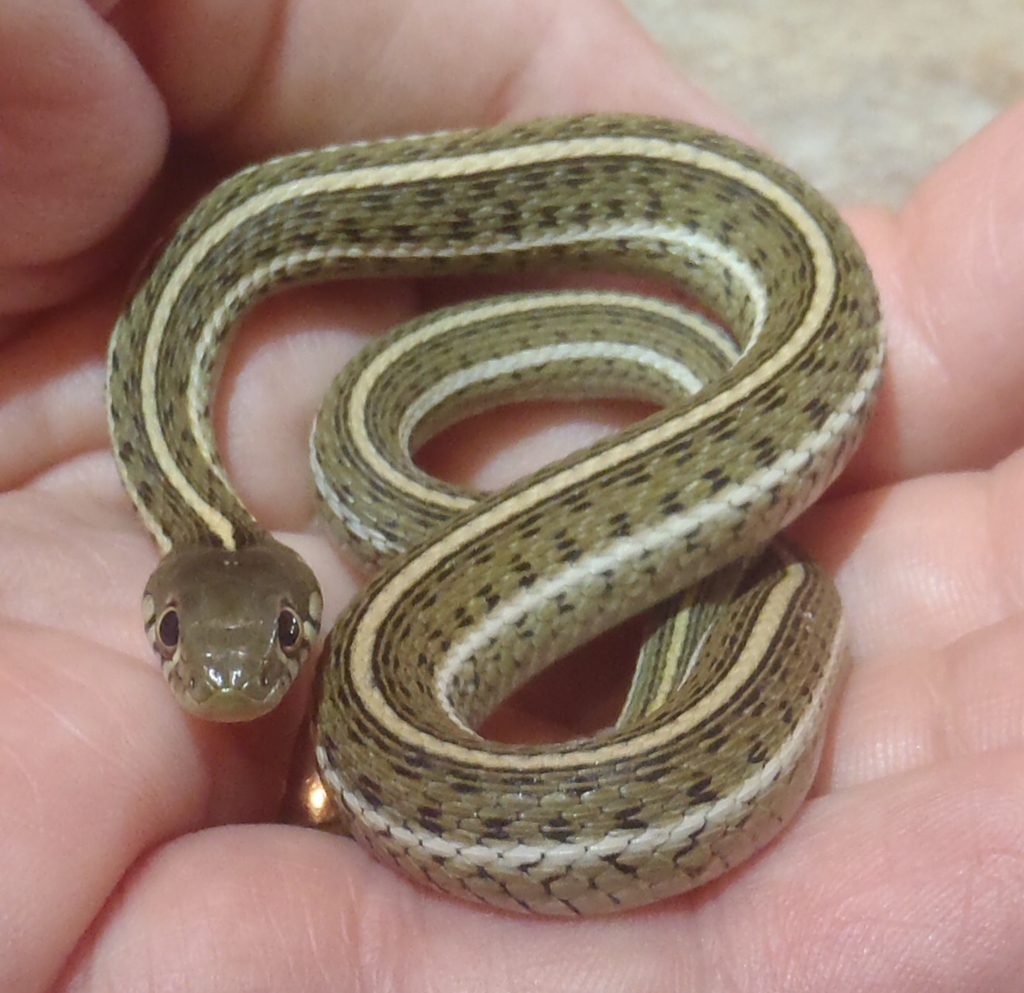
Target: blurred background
(863, 97)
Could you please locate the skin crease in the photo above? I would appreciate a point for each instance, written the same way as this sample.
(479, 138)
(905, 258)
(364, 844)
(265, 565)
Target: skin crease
(134, 853)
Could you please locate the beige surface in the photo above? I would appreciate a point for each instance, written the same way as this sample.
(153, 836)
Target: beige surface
(863, 97)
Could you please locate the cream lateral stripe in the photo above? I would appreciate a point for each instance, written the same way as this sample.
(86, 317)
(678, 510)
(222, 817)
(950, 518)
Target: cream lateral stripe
(353, 522)
(533, 358)
(217, 522)
(430, 557)
(673, 634)
(360, 178)
(530, 358)
(677, 633)
(695, 819)
(601, 462)
(206, 348)
(750, 658)
(149, 519)
(484, 311)
(356, 424)
(214, 327)
(361, 658)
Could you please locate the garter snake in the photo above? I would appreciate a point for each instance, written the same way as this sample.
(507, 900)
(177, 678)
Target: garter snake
(760, 405)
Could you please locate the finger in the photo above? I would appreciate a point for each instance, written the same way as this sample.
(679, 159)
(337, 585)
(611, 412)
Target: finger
(85, 129)
(82, 132)
(949, 268)
(100, 765)
(926, 562)
(298, 910)
(928, 708)
(322, 74)
(50, 381)
(276, 77)
(74, 755)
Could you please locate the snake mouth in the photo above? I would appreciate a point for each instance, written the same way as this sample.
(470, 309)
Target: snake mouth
(208, 694)
(229, 705)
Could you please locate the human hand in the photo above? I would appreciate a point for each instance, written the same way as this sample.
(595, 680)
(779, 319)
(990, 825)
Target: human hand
(134, 852)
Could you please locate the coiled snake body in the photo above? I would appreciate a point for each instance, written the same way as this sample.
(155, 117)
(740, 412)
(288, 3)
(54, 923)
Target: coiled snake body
(759, 409)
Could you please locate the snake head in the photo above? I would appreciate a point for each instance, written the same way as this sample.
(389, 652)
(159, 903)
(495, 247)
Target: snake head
(232, 628)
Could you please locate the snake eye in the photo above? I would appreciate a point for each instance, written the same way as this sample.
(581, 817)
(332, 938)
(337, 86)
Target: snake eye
(289, 631)
(167, 632)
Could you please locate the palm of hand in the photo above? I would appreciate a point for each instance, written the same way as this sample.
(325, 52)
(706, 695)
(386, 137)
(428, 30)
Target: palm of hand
(114, 870)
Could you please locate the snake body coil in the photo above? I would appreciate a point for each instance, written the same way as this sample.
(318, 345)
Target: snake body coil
(717, 743)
